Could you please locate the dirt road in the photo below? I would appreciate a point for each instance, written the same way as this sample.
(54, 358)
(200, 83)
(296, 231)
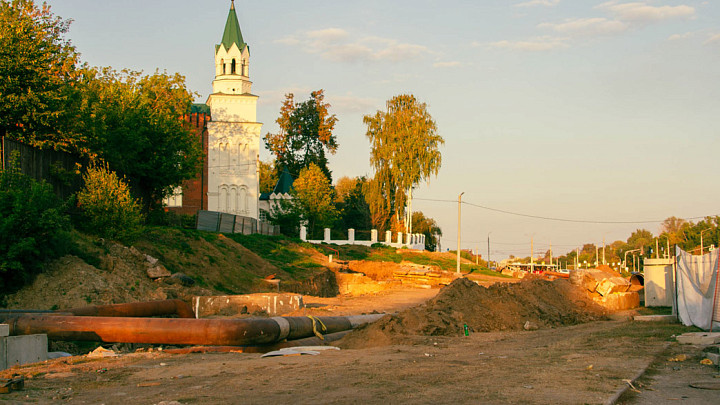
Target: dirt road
(585, 363)
(569, 365)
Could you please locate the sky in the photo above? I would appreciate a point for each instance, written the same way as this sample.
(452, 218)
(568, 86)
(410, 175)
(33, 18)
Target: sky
(600, 115)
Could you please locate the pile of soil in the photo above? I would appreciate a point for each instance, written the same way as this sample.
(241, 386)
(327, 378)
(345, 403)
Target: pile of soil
(530, 304)
(321, 285)
(70, 282)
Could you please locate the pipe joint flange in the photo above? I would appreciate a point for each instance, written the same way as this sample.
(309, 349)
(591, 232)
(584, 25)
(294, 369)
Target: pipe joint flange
(284, 327)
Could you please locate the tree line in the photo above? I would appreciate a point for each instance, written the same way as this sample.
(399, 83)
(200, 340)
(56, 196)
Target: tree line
(126, 124)
(404, 152)
(695, 237)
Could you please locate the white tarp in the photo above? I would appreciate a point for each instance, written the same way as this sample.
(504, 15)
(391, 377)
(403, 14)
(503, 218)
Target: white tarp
(696, 281)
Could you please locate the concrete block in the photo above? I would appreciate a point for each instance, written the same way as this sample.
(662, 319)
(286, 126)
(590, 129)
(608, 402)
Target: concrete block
(620, 301)
(4, 329)
(699, 338)
(593, 277)
(272, 304)
(612, 285)
(655, 318)
(714, 357)
(19, 350)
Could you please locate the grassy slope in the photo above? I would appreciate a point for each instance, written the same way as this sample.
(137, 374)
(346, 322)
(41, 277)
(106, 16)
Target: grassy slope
(235, 263)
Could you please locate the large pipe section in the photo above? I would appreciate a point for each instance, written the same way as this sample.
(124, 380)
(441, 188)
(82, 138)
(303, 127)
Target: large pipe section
(174, 331)
(137, 309)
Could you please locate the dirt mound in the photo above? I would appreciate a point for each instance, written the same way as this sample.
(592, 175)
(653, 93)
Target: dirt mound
(70, 282)
(535, 303)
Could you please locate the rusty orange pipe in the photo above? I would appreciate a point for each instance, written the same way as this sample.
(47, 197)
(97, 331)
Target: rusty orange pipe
(174, 331)
(137, 309)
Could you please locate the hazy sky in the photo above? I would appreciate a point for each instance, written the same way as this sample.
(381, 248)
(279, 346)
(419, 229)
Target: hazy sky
(588, 110)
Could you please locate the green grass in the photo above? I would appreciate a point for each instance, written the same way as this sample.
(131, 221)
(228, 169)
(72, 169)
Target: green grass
(655, 310)
(665, 331)
(281, 251)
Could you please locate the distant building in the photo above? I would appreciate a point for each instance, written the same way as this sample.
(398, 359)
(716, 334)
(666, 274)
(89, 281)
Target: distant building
(268, 201)
(227, 127)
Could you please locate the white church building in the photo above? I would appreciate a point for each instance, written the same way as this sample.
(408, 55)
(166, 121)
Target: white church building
(228, 128)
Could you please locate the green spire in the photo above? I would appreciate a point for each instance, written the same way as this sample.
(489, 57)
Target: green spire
(232, 34)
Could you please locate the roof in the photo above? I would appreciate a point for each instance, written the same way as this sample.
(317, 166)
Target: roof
(232, 34)
(284, 184)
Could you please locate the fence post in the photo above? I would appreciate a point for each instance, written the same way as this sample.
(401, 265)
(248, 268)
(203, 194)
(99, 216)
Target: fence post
(303, 233)
(388, 237)
(373, 236)
(326, 239)
(351, 236)
(400, 238)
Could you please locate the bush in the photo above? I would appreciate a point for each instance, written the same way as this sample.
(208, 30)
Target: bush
(33, 228)
(107, 207)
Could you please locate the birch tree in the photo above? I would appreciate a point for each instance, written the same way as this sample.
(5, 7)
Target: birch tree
(404, 151)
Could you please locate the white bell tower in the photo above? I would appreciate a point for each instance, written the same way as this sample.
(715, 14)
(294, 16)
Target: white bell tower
(233, 132)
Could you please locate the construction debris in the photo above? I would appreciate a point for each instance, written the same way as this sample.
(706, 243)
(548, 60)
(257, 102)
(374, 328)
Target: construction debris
(502, 306)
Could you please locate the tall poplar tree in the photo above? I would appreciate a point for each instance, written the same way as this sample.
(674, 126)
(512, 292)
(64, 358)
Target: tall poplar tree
(404, 151)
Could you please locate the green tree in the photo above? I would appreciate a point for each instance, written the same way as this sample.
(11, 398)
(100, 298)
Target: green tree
(354, 209)
(37, 72)
(641, 239)
(404, 152)
(268, 177)
(674, 228)
(343, 186)
(312, 203)
(107, 207)
(428, 227)
(33, 228)
(313, 198)
(305, 135)
(133, 122)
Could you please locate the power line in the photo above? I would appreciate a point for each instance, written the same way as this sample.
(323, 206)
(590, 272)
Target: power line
(552, 218)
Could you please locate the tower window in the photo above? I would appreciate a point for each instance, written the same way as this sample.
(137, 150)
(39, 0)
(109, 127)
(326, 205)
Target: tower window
(222, 62)
(232, 67)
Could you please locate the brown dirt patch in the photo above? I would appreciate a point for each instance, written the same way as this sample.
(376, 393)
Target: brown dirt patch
(499, 307)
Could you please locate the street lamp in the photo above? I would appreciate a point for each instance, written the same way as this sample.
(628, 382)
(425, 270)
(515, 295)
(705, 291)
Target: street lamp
(458, 245)
(625, 261)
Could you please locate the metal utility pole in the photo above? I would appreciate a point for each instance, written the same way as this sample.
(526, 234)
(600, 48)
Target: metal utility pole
(577, 258)
(488, 257)
(458, 245)
(532, 260)
(596, 256)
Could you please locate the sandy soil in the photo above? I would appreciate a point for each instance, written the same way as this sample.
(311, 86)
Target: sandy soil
(560, 362)
(568, 365)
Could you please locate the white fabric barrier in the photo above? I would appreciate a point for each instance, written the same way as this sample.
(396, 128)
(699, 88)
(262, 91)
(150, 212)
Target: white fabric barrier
(696, 285)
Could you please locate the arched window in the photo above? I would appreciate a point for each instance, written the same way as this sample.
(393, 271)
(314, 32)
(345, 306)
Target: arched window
(244, 68)
(232, 67)
(233, 203)
(242, 200)
(223, 199)
(222, 62)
